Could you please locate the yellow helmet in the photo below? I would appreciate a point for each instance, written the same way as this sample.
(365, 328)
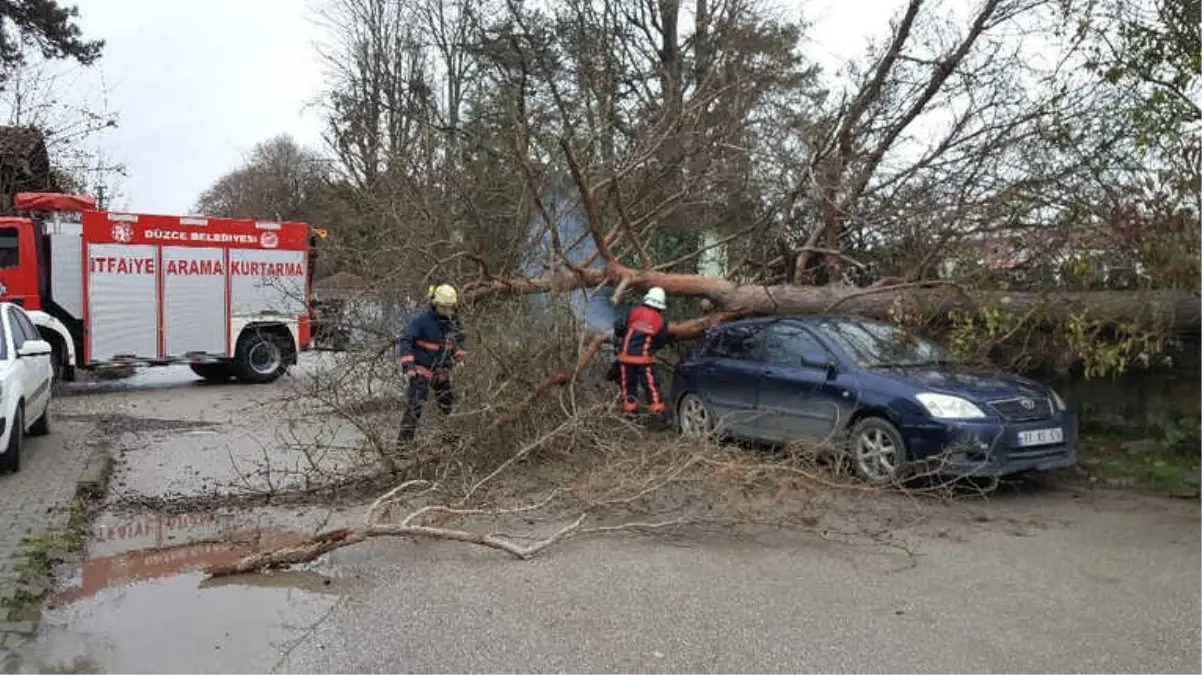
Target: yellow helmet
(445, 295)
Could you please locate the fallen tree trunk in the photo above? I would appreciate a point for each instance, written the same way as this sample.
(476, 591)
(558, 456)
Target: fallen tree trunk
(1171, 310)
(1178, 310)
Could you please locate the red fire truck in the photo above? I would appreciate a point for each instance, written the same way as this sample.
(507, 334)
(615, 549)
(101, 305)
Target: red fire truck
(228, 297)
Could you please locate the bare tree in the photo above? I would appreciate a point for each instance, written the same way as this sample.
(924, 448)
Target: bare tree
(607, 146)
(610, 116)
(53, 99)
(279, 179)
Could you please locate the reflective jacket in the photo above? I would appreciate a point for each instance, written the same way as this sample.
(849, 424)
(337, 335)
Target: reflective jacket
(640, 334)
(431, 343)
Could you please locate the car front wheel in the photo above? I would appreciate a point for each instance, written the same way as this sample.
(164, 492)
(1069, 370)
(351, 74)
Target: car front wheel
(693, 417)
(877, 451)
(41, 426)
(10, 461)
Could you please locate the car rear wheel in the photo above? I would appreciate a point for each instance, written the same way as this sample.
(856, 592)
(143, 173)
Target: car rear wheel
(877, 451)
(693, 417)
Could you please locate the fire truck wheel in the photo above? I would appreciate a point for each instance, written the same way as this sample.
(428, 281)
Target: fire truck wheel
(259, 359)
(213, 372)
(10, 461)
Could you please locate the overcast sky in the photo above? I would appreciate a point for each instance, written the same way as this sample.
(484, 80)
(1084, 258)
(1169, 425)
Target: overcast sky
(197, 84)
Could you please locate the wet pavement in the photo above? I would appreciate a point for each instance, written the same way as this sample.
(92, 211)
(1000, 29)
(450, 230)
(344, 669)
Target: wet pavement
(177, 435)
(1043, 581)
(168, 434)
(139, 603)
(1103, 584)
(36, 501)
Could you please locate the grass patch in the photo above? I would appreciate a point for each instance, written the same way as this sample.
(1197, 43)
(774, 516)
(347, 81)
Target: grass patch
(1146, 466)
(43, 553)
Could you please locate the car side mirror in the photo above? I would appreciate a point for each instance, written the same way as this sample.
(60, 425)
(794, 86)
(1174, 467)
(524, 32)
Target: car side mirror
(34, 348)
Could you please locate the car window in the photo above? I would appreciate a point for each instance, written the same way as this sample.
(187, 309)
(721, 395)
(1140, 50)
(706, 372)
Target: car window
(871, 344)
(786, 344)
(9, 253)
(15, 326)
(741, 343)
(25, 326)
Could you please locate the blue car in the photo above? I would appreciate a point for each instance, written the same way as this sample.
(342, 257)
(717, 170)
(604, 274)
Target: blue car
(891, 402)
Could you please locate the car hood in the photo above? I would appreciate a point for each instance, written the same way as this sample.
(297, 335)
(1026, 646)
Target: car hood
(977, 384)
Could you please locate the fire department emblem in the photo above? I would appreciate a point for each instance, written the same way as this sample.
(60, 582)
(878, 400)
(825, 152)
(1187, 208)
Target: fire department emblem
(123, 233)
(269, 240)
(3, 289)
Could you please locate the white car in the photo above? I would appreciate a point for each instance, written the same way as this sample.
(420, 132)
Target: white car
(26, 374)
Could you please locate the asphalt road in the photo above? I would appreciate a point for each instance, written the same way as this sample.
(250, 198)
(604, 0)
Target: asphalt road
(1109, 586)
(1042, 581)
(1049, 584)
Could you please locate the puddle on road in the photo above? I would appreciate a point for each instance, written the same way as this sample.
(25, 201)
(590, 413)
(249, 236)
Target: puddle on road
(140, 603)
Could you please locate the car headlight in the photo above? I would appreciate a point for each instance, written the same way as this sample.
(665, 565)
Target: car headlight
(945, 407)
(1057, 400)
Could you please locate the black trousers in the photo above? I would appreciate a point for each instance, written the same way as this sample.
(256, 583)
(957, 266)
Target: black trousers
(419, 390)
(632, 377)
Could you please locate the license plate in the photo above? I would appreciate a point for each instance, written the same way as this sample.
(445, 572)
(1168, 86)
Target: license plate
(1041, 437)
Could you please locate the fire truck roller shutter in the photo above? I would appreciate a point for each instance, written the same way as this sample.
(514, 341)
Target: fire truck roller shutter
(123, 307)
(193, 306)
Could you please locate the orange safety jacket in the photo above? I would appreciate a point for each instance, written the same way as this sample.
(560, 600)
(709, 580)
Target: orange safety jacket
(640, 334)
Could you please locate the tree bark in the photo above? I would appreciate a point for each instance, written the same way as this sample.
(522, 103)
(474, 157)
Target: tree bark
(1179, 310)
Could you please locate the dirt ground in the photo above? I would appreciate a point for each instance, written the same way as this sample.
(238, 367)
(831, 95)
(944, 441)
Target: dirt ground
(1043, 578)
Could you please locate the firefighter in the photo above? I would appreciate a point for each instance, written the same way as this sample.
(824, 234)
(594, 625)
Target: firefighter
(639, 334)
(431, 346)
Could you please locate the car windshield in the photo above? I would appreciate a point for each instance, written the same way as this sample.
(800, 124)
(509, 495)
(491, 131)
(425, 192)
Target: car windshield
(878, 345)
